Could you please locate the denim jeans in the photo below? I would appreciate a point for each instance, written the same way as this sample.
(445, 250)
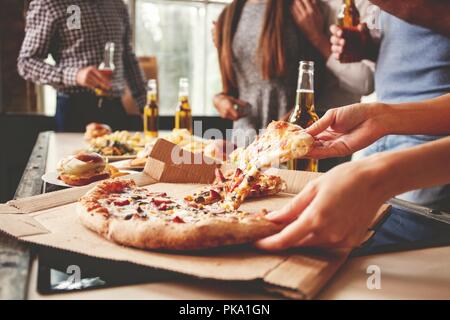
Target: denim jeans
(75, 111)
(435, 197)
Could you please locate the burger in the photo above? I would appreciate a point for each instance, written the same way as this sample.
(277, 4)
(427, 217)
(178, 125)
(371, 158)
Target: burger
(95, 130)
(82, 169)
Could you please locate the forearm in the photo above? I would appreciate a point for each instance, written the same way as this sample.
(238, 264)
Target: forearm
(419, 167)
(322, 44)
(432, 14)
(40, 72)
(429, 117)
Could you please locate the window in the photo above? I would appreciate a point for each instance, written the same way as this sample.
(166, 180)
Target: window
(178, 33)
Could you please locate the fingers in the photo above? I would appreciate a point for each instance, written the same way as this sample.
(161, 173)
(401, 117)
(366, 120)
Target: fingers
(308, 6)
(232, 114)
(363, 27)
(336, 31)
(325, 122)
(100, 79)
(295, 207)
(323, 153)
(289, 236)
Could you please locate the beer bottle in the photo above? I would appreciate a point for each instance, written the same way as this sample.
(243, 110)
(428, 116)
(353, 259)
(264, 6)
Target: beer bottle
(106, 67)
(183, 114)
(304, 113)
(151, 110)
(348, 20)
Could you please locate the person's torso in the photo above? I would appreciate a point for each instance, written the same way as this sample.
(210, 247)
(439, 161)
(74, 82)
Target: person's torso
(269, 98)
(100, 21)
(413, 63)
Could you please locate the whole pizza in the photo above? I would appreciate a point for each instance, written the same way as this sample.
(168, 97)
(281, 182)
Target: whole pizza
(133, 216)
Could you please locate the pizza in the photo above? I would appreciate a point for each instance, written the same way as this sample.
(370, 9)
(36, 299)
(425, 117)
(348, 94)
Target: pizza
(134, 216)
(266, 185)
(281, 142)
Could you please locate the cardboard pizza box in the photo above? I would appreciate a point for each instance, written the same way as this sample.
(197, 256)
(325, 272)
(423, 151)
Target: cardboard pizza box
(50, 220)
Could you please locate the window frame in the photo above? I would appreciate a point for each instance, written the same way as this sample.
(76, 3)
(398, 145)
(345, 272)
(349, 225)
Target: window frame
(132, 5)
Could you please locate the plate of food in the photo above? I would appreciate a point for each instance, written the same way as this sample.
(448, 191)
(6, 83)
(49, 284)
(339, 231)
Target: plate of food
(82, 169)
(115, 146)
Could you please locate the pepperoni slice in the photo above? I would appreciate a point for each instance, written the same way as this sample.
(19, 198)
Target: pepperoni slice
(177, 219)
(121, 203)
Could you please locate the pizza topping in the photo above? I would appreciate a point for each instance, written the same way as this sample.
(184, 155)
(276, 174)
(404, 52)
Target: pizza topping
(177, 219)
(121, 203)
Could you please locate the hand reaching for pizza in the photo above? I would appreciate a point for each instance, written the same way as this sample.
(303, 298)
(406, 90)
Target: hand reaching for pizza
(328, 212)
(343, 131)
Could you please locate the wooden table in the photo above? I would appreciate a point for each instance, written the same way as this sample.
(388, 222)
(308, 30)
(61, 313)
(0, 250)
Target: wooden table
(418, 274)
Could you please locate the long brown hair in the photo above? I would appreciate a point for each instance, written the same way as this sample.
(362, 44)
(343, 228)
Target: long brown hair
(271, 51)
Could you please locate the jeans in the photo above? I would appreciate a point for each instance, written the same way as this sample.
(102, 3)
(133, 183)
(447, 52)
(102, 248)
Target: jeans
(435, 197)
(75, 111)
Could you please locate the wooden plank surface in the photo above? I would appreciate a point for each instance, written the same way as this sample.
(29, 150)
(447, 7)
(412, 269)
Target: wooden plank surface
(15, 256)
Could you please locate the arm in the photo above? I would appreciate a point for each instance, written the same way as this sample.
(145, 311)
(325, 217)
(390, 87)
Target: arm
(431, 14)
(309, 19)
(336, 209)
(41, 26)
(343, 131)
(133, 73)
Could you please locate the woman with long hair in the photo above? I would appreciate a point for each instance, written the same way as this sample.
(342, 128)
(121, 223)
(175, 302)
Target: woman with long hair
(260, 44)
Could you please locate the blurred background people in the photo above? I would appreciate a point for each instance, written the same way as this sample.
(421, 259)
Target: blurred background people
(412, 63)
(78, 48)
(260, 44)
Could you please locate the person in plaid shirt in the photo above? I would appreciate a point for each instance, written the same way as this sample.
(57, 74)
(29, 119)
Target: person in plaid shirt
(75, 32)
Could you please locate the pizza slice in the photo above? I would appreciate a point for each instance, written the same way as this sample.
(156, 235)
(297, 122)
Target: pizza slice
(266, 185)
(282, 141)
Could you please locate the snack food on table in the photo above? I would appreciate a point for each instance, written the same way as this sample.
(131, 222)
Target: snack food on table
(95, 130)
(215, 149)
(84, 168)
(118, 143)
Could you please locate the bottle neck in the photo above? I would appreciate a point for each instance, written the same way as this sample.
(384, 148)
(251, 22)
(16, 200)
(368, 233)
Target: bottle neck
(108, 59)
(349, 3)
(151, 97)
(305, 81)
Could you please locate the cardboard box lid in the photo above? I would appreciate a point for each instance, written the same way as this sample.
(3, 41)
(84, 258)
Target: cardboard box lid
(50, 220)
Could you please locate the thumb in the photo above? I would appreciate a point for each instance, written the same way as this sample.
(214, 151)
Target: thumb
(363, 27)
(294, 208)
(319, 126)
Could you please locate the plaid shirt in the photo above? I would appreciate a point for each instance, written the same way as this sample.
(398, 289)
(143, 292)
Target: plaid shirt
(48, 31)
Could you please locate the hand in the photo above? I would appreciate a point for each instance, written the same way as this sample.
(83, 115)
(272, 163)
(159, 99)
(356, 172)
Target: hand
(338, 42)
(343, 131)
(225, 106)
(334, 210)
(91, 77)
(309, 18)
